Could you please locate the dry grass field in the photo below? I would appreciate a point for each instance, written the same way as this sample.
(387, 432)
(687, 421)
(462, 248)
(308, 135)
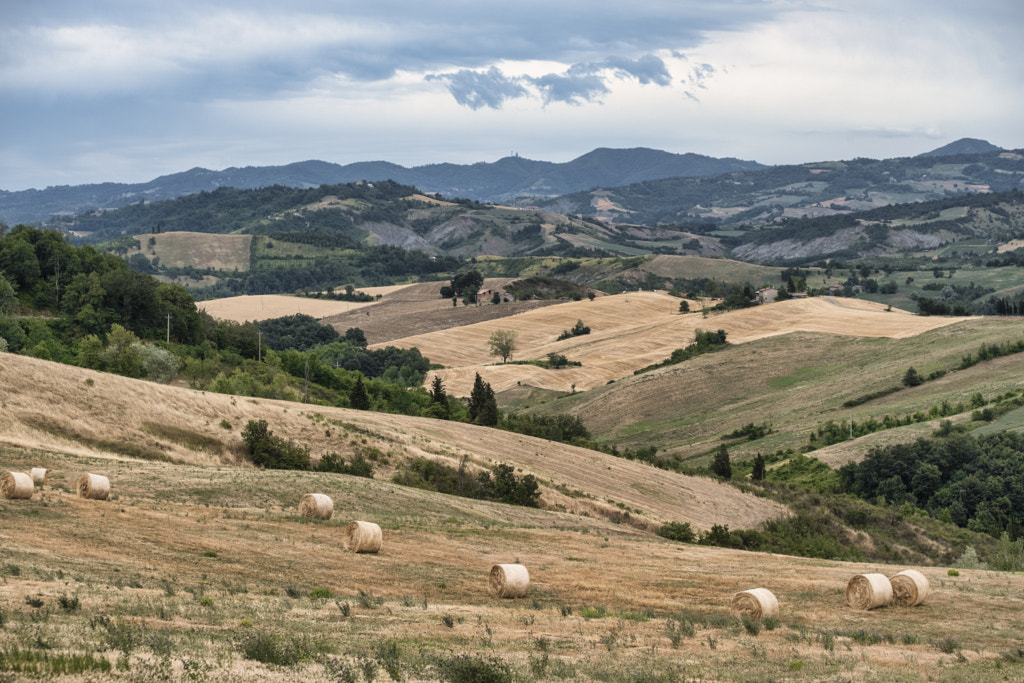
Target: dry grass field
(258, 307)
(186, 569)
(181, 249)
(199, 568)
(633, 330)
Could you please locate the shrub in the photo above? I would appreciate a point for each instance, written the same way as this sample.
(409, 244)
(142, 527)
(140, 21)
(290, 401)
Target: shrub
(471, 669)
(677, 531)
(273, 452)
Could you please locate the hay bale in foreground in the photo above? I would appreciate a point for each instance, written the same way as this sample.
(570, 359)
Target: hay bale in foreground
(39, 475)
(756, 603)
(363, 537)
(509, 580)
(316, 505)
(868, 591)
(909, 588)
(16, 485)
(93, 487)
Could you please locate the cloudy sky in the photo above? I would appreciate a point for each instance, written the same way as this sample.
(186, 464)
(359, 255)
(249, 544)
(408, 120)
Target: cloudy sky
(127, 90)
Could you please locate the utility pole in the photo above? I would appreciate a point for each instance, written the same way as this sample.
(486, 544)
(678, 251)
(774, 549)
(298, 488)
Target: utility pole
(259, 345)
(168, 328)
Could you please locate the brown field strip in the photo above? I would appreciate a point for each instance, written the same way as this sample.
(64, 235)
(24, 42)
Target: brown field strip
(265, 306)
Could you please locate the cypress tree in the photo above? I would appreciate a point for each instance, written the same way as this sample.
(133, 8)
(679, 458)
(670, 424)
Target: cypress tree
(358, 398)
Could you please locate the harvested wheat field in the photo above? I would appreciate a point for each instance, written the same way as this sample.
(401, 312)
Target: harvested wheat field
(207, 573)
(633, 330)
(246, 308)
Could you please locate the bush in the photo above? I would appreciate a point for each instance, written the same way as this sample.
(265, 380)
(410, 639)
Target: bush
(273, 452)
(677, 531)
(470, 669)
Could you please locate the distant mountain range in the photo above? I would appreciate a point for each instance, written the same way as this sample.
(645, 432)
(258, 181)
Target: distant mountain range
(501, 181)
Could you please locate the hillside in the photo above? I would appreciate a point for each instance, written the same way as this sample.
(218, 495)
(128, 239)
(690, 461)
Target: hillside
(203, 565)
(630, 331)
(88, 413)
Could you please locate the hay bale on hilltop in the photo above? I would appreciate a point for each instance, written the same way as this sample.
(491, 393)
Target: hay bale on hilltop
(16, 485)
(868, 591)
(756, 603)
(317, 506)
(39, 475)
(363, 537)
(509, 580)
(909, 588)
(93, 487)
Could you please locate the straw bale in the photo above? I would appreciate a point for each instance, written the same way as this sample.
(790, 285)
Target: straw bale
(868, 591)
(40, 475)
(94, 487)
(316, 505)
(363, 537)
(16, 485)
(509, 580)
(756, 603)
(909, 588)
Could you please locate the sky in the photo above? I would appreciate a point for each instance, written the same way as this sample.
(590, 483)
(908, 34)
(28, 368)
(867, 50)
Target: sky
(128, 90)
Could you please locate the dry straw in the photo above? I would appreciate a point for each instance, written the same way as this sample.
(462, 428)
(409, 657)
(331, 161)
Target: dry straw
(94, 487)
(40, 475)
(316, 505)
(16, 485)
(509, 580)
(909, 588)
(868, 591)
(756, 603)
(363, 537)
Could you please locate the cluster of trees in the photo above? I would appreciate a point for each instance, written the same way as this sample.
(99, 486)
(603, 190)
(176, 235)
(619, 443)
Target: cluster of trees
(577, 330)
(270, 451)
(976, 483)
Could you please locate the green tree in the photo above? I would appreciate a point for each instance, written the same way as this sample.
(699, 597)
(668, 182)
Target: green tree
(684, 306)
(911, 378)
(483, 405)
(439, 399)
(358, 398)
(759, 471)
(503, 344)
(720, 464)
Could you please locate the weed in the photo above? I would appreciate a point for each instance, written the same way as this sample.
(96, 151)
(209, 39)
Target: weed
(390, 657)
(320, 594)
(270, 648)
(953, 572)
(210, 553)
(206, 602)
(751, 626)
(368, 600)
(947, 645)
(292, 592)
(528, 620)
(48, 664)
(828, 641)
(594, 613)
(407, 601)
(795, 665)
(344, 607)
(225, 424)
(33, 601)
(771, 623)
(565, 610)
(448, 621)
(168, 587)
(712, 642)
(470, 669)
(69, 603)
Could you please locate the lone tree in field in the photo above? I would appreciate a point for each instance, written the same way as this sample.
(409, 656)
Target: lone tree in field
(503, 343)
(720, 464)
(912, 378)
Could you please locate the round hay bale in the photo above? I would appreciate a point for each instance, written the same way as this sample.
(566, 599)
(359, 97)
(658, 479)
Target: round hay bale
(363, 537)
(909, 588)
(316, 505)
(868, 591)
(16, 485)
(40, 475)
(756, 603)
(93, 487)
(509, 580)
